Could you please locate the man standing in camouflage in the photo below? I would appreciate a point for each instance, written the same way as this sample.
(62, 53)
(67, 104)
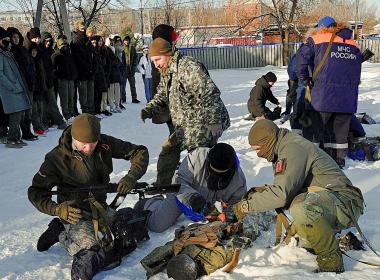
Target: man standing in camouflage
(83, 158)
(197, 111)
(307, 181)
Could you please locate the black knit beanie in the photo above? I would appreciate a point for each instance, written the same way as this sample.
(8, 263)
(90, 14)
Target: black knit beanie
(270, 77)
(3, 33)
(221, 157)
(34, 33)
(164, 31)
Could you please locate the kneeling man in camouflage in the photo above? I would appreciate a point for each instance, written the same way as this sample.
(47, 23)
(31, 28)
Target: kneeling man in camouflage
(308, 182)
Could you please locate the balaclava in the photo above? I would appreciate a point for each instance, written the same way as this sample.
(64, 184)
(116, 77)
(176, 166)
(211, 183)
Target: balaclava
(264, 133)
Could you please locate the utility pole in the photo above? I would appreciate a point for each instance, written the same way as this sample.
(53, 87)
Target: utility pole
(37, 20)
(65, 19)
(356, 19)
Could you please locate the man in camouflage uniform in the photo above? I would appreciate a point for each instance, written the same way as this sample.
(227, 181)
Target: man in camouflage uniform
(197, 111)
(308, 182)
(83, 158)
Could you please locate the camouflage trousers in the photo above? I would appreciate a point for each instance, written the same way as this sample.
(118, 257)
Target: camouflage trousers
(168, 160)
(318, 216)
(79, 236)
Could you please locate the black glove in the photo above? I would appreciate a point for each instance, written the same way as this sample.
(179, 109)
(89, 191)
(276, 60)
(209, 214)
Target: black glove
(145, 114)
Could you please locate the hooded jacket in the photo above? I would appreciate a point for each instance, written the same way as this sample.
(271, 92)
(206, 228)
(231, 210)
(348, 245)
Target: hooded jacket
(336, 86)
(64, 65)
(258, 96)
(64, 167)
(23, 58)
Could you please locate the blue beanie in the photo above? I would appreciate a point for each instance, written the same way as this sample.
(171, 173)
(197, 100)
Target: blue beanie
(326, 22)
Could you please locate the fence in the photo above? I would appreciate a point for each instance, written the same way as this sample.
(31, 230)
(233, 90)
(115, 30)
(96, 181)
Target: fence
(257, 55)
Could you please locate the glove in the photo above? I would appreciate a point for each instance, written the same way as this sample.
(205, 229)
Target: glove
(229, 214)
(241, 209)
(145, 114)
(216, 130)
(126, 184)
(68, 213)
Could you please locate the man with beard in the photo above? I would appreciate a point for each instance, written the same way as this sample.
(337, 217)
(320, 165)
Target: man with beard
(83, 158)
(320, 198)
(197, 111)
(206, 175)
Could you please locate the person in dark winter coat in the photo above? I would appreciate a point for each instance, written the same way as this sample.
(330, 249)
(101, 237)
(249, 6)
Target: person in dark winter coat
(13, 91)
(66, 73)
(130, 61)
(338, 80)
(40, 88)
(83, 158)
(100, 82)
(25, 64)
(260, 94)
(114, 77)
(82, 51)
(52, 115)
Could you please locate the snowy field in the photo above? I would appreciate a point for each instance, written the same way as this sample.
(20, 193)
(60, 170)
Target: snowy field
(21, 224)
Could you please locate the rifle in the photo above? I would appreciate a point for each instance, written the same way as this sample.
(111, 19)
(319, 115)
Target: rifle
(141, 188)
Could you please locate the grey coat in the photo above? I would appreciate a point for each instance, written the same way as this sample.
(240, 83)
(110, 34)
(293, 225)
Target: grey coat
(13, 90)
(193, 179)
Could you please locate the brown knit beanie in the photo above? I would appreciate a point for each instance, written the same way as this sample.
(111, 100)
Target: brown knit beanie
(264, 133)
(86, 128)
(160, 46)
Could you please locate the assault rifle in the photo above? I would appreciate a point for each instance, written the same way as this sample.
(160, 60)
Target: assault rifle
(141, 188)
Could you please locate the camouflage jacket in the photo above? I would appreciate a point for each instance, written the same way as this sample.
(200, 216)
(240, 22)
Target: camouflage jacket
(193, 99)
(66, 168)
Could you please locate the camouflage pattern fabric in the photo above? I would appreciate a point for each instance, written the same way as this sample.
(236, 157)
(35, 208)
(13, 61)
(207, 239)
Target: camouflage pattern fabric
(77, 237)
(194, 102)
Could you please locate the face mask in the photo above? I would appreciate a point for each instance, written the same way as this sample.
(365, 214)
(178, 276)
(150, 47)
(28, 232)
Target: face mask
(219, 181)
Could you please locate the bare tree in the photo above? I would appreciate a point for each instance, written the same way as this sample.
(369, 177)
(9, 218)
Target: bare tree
(88, 9)
(286, 14)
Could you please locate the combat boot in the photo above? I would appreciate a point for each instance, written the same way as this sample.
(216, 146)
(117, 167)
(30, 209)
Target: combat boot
(332, 262)
(50, 236)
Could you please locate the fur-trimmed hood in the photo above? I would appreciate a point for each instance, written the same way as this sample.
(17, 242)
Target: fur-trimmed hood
(342, 28)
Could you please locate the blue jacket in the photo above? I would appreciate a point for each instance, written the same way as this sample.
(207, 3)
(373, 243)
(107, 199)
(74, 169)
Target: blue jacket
(292, 68)
(13, 90)
(336, 86)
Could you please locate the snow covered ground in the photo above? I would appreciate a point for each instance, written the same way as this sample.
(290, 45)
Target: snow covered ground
(21, 224)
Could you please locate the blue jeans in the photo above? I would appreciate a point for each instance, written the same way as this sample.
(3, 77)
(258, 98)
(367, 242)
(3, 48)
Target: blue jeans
(148, 89)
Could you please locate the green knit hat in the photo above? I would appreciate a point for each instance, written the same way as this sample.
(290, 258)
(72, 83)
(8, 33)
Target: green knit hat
(86, 128)
(160, 46)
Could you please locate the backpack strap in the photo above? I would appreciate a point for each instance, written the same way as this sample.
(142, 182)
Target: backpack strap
(319, 66)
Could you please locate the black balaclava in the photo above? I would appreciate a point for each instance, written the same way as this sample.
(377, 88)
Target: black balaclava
(222, 163)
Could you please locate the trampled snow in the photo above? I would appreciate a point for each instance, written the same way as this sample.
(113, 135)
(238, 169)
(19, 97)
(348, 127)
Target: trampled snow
(21, 224)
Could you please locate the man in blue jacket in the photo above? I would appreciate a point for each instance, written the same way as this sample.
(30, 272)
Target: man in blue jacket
(334, 92)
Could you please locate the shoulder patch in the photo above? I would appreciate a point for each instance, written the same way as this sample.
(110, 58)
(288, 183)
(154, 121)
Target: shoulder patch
(279, 166)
